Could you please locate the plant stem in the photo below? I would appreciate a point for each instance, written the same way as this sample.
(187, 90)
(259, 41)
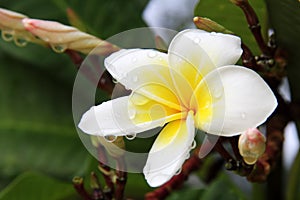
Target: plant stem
(254, 25)
(106, 172)
(79, 187)
(121, 178)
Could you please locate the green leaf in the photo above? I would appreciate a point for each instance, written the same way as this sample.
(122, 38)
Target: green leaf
(106, 18)
(231, 17)
(293, 186)
(36, 125)
(32, 186)
(285, 19)
(223, 189)
(186, 194)
(58, 65)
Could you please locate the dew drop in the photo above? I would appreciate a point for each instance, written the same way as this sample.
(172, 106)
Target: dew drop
(46, 39)
(206, 126)
(7, 35)
(179, 60)
(197, 40)
(135, 79)
(131, 113)
(131, 136)
(59, 48)
(178, 171)
(218, 92)
(243, 115)
(110, 138)
(213, 33)
(187, 156)
(133, 60)
(138, 99)
(194, 144)
(152, 54)
(114, 81)
(21, 42)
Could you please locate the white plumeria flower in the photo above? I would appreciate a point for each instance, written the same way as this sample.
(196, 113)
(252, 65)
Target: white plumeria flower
(194, 86)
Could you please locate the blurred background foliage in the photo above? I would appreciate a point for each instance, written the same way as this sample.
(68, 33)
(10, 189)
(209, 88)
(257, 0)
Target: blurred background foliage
(39, 145)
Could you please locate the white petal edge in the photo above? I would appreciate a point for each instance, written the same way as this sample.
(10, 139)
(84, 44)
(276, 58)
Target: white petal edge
(122, 62)
(164, 160)
(247, 100)
(222, 49)
(112, 118)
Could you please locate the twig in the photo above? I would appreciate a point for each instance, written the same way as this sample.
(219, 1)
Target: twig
(254, 25)
(95, 185)
(121, 178)
(79, 187)
(106, 172)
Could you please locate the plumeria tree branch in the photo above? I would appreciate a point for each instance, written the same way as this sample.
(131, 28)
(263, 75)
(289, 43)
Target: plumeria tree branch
(254, 25)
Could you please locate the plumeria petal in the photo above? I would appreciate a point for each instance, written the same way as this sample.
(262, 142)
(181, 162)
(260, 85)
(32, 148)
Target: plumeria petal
(117, 117)
(169, 151)
(222, 49)
(243, 101)
(120, 63)
(145, 72)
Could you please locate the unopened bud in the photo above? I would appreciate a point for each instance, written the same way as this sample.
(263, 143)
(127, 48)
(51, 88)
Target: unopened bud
(12, 28)
(252, 145)
(114, 148)
(62, 37)
(209, 25)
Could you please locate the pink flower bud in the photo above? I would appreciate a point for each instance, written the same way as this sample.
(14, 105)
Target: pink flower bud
(252, 145)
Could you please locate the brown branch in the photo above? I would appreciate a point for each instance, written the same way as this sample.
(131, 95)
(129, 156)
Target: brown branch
(248, 58)
(79, 187)
(106, 172)
(121, 178)
(97, 193)
(191, 165)
(254, 25)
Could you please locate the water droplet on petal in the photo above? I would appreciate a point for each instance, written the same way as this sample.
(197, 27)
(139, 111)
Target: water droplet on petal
(7, 35)
(194, 144)
(243, 115)
(135, 79)
(179, 60)
(197, 40)
(130, 136)
(21, 42)
(178, 171)
(152, 54)
(213, 33)
(138, 99)
(133, 60)
(187, 156)
(131, 113)
(59, 48)
(110, 138)
(206, 126)
(217, 93)
(114, 81)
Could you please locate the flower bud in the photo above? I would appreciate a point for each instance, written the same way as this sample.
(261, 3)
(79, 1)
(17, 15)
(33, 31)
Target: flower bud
(209, 25)
(114, 146)
(252, 145)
